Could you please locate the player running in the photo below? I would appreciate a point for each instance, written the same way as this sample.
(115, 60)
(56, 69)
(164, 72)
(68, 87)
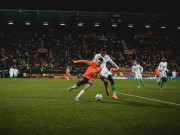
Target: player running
(157, 73)
(11, 71)
(163, 69)
(88, 77)
(174, 76)
(138, 70)
(16, 71)
(105, 74)
(68, 72)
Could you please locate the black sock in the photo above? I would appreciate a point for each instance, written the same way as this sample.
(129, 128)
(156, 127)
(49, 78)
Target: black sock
(106, 85)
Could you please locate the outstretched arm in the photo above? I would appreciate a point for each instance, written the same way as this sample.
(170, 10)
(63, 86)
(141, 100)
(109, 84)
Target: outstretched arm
(83, 61)
(114, 64)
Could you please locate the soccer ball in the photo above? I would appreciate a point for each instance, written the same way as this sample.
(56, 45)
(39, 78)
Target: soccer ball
(98, 97)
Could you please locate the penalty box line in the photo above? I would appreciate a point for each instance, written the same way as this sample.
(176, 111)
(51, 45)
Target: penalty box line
(161, 101)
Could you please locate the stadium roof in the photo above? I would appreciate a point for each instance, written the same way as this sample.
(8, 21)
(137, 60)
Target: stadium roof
(55, 17)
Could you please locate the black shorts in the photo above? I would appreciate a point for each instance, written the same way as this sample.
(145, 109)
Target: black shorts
(83, 81)
(164, 79)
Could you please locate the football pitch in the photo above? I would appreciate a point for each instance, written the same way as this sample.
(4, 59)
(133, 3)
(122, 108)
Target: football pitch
(45, 107)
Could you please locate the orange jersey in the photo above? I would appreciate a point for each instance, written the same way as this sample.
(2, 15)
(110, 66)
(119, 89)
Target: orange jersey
(157, 71)
(67, 71)
(92, 70)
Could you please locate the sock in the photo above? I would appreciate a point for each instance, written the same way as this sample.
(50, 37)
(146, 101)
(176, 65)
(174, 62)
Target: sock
(73, 87)
(137, 82)
(11, 78)
(161, 84)
(113, 89)
(80, 93)
(106, 85)
(15, 78)
(142, 82)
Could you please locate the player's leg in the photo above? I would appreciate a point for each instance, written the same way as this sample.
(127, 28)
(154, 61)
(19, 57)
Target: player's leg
(158, 80)
(140, 76)
(82, 91)
(113, 87)
(161, 83)
(11, 76)
(142, 81)
(137, 81)
(105, 80)
(15, 77)
(77, 85)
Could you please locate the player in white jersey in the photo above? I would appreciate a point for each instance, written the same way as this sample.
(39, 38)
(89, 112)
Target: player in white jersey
(174, 74)
(137, 69)
(163, 69)
(11, 71)
(105, 74)
(16, 71)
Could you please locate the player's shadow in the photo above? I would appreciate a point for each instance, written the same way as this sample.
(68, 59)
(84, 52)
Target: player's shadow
(137, 104)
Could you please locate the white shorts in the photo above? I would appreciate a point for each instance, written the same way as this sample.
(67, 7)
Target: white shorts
(163, 74)
(11, 75)
(105, 73)
(138, 76)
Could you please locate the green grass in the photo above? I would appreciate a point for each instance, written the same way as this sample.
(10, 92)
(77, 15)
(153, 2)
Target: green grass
(45, 107)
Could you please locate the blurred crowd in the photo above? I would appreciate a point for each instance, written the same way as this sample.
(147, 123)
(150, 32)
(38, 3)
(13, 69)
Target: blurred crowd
(21, 49)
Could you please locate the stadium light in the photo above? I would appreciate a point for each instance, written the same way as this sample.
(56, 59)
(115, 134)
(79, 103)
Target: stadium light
(80, 24)
(163, 27)
(178, 27)
(45, 23)
(96, 25)
(114, 25)
(10, 22)
(62, 24)
(147, 26)
(27, 23)
(130, 25)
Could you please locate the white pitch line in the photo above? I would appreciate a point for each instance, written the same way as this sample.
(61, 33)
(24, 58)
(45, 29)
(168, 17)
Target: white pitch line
(161, 101)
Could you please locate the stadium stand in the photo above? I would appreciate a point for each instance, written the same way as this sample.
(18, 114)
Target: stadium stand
(53, 51)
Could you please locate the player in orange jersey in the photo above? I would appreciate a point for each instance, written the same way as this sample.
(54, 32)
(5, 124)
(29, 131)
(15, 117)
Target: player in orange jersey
(88, 77)
(68, 72)
(157, 73)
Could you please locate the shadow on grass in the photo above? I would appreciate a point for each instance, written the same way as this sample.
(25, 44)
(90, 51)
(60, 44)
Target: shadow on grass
(137, 103)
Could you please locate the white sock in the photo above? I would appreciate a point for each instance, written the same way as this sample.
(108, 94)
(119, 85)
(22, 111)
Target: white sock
(80, 93)
(73, 86)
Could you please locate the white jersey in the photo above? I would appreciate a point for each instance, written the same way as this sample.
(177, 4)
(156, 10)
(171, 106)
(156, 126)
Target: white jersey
(15, 72)
(163, 68)
(137, 69)
(105, 72)
(11, 71)
(106, 59)
(174, 74)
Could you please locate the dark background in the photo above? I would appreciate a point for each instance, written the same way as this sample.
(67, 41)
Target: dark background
(98, 5)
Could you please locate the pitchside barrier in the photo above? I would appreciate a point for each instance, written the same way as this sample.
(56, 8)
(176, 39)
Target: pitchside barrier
(126, 74)
(144, 78)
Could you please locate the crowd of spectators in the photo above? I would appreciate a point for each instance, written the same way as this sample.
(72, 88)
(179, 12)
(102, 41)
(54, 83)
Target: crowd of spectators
(21, 49)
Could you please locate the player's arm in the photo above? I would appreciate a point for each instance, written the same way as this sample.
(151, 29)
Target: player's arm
(159, 67)
(84, 61)
(141, 69)
(95, 58)
(132, 69)
(114, 64)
